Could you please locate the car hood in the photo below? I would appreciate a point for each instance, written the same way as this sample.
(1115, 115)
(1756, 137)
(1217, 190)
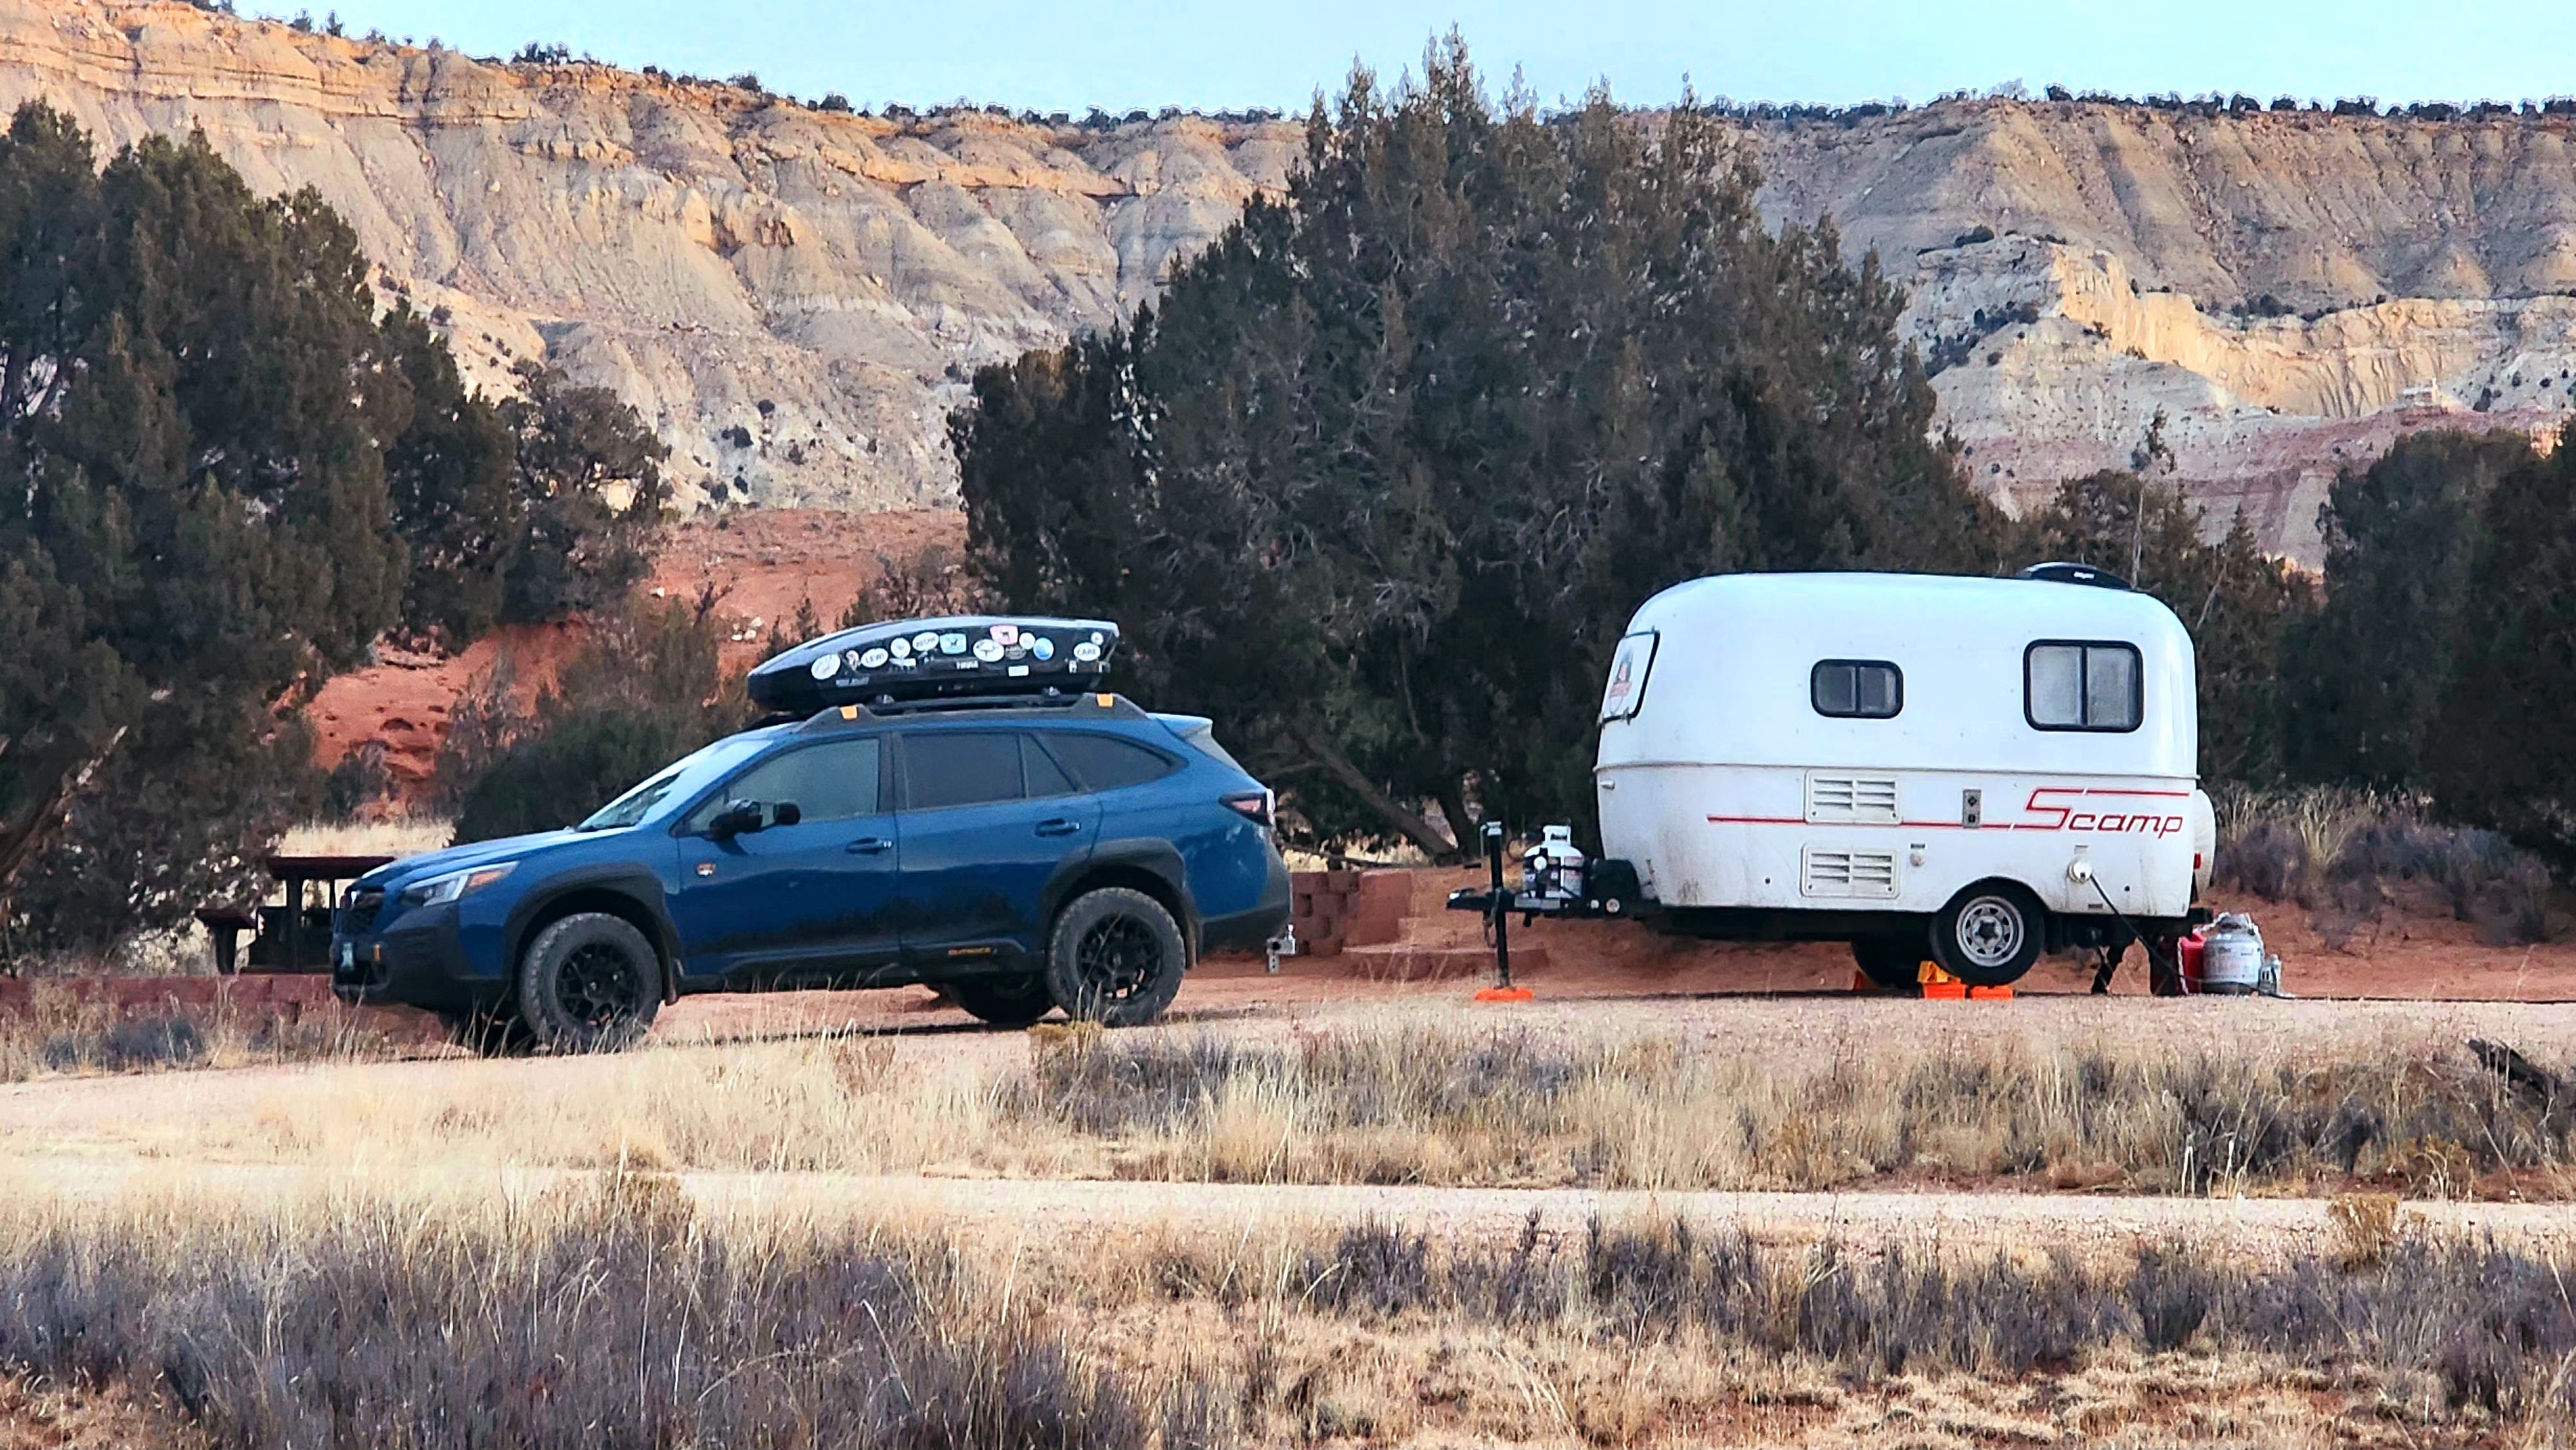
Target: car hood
(396, 874)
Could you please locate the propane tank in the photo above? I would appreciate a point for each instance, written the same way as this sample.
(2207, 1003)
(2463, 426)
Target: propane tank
(1554, 867)
(2231, 956)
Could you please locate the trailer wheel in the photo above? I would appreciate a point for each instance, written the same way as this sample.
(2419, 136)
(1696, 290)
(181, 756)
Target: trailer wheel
(1989, 934)
(1893, 962)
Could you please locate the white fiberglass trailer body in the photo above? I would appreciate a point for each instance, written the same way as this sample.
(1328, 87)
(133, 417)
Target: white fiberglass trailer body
(1970, 769)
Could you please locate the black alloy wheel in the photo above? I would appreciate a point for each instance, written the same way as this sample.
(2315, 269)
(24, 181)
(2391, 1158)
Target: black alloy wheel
(589, 983)
(1115, 957)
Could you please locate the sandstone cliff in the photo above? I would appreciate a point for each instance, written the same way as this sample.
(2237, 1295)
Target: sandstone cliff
(2293, 289)
(795, 298)
(792, 297)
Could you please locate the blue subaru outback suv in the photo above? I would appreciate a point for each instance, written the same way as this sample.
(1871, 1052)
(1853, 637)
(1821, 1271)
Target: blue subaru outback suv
(952, 802)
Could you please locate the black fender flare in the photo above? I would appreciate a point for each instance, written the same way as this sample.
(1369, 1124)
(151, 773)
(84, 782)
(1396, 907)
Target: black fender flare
(634, 888)
(1145, 856)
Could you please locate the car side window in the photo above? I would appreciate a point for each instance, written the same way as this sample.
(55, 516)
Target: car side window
(833, 781)
(960, 768)
(1045, 777)
(1105, 762)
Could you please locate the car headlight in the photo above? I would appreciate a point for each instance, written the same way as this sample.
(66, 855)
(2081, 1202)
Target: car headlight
(454, 884)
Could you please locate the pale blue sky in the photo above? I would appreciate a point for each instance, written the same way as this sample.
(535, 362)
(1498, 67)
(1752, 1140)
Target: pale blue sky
(1069, 54)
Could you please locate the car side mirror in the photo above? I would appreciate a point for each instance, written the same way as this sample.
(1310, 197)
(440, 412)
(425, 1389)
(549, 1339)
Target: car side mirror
(785, 813)
(737, 818)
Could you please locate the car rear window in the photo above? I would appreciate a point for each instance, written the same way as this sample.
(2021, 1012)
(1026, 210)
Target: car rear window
(1105, 762)
(960, 768)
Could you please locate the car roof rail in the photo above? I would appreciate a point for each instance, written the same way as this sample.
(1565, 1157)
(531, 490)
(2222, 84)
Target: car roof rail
(1099, 704)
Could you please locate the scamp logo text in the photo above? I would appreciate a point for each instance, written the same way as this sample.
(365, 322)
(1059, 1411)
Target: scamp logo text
(2125, 812)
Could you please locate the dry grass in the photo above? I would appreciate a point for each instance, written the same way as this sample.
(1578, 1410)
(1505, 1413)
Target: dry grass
(400, 836)
(615, 1312)
(1417, 1103)
(60, 1032)
(2354, 855)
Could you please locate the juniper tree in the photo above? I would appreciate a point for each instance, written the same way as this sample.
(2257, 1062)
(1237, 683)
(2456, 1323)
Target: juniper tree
(2370, 671)
(1381, 478)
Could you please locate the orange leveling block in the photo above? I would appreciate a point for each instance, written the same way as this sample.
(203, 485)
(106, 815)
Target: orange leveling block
(1940, 984)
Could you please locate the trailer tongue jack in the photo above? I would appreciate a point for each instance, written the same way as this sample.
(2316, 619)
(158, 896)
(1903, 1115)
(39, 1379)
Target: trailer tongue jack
(1555, 881)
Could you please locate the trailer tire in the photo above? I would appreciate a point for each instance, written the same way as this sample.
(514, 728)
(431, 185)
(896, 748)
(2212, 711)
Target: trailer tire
(1990, 934)
(1893, 962)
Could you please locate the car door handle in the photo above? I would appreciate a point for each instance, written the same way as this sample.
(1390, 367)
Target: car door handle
(867, 845)
(1058, 827)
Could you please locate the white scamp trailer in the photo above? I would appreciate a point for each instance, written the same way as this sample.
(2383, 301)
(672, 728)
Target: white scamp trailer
(1966, 770)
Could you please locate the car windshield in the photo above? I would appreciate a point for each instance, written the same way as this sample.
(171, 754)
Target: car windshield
(678, 783)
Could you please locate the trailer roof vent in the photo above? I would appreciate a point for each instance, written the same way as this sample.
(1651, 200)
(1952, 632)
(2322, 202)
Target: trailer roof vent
(2074, 574)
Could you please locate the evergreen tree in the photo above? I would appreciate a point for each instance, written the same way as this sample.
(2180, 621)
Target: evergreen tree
(2502, 752)
(591, 493)
(197, 528)
(1380, 481)
(456, 495)
(227, 476)
(2369, 672)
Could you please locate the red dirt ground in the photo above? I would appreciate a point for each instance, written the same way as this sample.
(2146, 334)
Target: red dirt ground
(2412, 958)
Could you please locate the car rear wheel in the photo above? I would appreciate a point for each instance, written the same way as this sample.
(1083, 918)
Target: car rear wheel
(1989, 934)
(1003, 1001)
(589, 983)
(1893, 962)
(1115, 958)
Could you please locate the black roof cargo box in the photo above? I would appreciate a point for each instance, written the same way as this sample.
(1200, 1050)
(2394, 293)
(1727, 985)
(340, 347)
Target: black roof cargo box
(919, 659)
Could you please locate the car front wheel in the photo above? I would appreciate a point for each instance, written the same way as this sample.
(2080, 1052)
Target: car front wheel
(1115, 958)
(589, 983)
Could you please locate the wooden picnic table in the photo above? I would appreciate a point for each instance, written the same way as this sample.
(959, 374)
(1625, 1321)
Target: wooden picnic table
(294, 937)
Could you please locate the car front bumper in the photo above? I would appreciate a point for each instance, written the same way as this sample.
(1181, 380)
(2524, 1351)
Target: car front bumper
(418, 961)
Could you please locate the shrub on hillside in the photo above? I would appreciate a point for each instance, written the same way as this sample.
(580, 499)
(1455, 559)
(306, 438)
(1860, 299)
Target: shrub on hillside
(648, 687)
(2353, 855)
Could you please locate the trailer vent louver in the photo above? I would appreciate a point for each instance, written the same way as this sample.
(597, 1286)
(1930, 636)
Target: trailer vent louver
(1851, 800)
(1870, 875)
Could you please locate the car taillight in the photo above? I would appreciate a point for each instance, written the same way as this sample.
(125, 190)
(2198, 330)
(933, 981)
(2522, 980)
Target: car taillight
(1257, 806)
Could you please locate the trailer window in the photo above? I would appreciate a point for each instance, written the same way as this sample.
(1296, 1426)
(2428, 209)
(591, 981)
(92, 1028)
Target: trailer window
(1626, 692)
(1857, 689)
(2083, 685)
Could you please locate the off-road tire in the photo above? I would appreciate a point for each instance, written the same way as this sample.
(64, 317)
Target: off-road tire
(1003, 1001)
(1893, 962)
(494, 1031)
(1115, 957)
(1990, 934)
(589, 983)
